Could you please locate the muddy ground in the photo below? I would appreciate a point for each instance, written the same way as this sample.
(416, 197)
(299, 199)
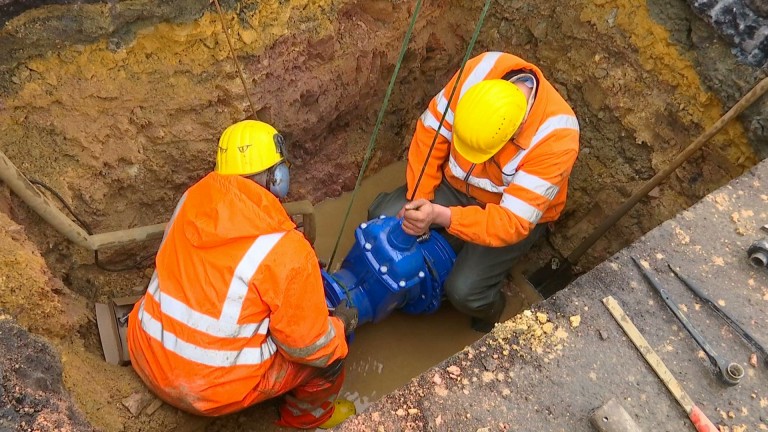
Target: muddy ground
(117, 105)
(548, 369)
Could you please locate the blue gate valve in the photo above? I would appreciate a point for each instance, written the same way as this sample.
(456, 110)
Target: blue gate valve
(387, 269)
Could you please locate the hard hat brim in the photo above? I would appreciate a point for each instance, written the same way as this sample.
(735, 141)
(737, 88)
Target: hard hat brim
(471, 154)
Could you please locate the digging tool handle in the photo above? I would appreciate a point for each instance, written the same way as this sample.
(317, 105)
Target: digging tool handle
(697, 417)
(708, 350)
(741, 331)
(737, 109)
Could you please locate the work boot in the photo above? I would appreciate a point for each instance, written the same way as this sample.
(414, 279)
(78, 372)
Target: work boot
(342, 410)
(486, 324)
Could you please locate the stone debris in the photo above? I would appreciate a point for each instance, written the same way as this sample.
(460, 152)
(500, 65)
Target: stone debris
(489, 363)
(454, 370)
(400, 412)
(575, 321)
(154, 406)
(542, 317)
(437, 380)
(603, 334)
(136, 402)
(548, 328)
(753, 360)
(413, 411)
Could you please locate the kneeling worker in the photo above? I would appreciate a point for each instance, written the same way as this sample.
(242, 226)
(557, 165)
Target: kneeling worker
(235, 312)
(497, 174)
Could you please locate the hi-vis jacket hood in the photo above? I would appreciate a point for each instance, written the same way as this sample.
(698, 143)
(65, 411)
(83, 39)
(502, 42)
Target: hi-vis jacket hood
(236, 290)
(234, 208)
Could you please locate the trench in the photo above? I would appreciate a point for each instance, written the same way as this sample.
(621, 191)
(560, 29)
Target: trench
(120, 117)
(376, 364)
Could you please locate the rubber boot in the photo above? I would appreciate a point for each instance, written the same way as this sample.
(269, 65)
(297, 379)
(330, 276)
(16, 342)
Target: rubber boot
(486, 324)
(342, 410)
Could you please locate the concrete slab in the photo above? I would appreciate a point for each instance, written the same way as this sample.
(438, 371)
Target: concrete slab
(529, 375)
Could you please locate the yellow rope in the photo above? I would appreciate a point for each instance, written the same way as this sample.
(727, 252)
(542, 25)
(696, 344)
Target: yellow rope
(234, 57)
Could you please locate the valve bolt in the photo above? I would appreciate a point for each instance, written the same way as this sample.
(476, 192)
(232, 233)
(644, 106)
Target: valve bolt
(363, 225)
(368, 246)
(401, 284)
(421, 274)
(383, 269)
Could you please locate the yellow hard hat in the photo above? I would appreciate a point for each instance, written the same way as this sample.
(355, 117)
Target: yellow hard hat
(249, 147)
(486, 117)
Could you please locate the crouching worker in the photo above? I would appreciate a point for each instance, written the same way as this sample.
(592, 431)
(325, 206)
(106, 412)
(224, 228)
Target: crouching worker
(497, 174)
(235, 312)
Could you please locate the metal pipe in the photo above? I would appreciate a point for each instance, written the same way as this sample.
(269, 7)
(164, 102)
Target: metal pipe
(43, 206)
(744, 103)
(47, 210)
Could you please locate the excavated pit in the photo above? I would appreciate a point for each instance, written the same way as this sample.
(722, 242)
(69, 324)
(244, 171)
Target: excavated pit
(118, 106)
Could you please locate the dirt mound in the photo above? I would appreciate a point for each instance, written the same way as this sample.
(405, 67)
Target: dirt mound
(32, 395)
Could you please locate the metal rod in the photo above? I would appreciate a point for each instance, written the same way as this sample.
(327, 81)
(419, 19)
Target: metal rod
(729, 372)
(43, 206)
(741, 331)
(744, 103)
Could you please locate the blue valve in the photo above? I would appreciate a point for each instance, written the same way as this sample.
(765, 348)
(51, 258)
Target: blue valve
(387, 269)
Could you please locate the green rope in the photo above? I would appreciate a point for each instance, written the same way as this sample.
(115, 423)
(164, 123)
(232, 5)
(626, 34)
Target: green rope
(384, 105)
(372, 143)
(470, 47)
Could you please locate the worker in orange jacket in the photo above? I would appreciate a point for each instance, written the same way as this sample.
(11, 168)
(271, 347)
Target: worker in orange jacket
(235, 312)
(497, 174)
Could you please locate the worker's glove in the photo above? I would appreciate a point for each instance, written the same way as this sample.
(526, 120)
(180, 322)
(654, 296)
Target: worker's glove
(347, 315)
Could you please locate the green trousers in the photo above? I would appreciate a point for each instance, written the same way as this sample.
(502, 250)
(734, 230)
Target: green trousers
(474, 285)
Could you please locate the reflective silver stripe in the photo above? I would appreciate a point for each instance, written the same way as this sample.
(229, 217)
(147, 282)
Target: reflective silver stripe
(300, 407)
(200, 321)
(482, 183)
(442, 104)
(173, 217)
(208, 357)
(552, 124)
(535, 184)
(307, 351)
(480, 71)
(249, 264)
(430, 121)
(521, 208)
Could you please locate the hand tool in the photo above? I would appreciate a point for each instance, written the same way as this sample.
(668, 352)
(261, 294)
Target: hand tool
(695, 414)
(554, 276)
(729, 372)
(758, 253)
(741, 331)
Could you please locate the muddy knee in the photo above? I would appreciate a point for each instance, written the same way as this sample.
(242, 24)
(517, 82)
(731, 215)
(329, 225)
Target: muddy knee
(387, 203)
(469, 298)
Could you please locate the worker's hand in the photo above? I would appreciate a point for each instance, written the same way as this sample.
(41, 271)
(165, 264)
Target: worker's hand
(418, 216)
(347, 315)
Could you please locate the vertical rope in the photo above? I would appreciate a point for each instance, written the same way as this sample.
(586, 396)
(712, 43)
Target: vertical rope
(372, 142)
(234, 57)
(470, 47)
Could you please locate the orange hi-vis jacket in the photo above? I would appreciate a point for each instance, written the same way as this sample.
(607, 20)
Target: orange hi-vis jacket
(525, 183)
(236, 287)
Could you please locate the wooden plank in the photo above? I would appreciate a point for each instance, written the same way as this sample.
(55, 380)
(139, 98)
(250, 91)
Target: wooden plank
(649, 354)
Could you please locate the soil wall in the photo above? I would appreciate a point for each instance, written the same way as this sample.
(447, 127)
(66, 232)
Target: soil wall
(118, 105)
